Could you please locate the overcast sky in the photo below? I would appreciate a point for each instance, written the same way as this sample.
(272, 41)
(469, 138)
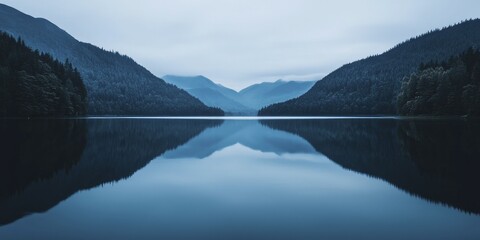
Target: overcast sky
(240, 42)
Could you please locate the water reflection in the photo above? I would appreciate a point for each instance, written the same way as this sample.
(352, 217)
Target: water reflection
(46, 161)
(277, 179)
(247, 133)
(35, 150)
(435, 159)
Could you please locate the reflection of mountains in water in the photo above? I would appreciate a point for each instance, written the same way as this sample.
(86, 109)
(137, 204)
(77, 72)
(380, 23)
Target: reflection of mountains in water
(251, 134)
(47, 161)
(437, 160)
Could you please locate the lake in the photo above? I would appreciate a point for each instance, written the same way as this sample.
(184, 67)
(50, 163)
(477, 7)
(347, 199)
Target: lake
(154, 178)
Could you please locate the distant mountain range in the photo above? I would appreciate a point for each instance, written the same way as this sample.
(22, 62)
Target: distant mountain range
(246, 102)
(264, 94)
(210, 93)
(371, 86)
(115, 83)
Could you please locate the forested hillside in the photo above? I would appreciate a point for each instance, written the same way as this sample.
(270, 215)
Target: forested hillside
(448, 88)
(371, 85)
(115, 83)
(34, 84)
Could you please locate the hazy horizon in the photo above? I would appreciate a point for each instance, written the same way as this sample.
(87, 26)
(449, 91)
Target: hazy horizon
(238, 44)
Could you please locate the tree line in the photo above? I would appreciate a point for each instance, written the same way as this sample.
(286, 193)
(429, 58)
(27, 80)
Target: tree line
(450, 87)
(35, 84)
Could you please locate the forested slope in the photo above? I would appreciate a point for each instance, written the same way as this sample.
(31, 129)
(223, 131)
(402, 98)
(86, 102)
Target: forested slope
(371, 85)
(115, 83)
(447, 88)
(34, 84)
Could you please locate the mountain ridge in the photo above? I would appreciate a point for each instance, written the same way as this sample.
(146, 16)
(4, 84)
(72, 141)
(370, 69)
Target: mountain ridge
(115, 83)
(211, 93)
(272, 92)
(244, 102)
(369, 86)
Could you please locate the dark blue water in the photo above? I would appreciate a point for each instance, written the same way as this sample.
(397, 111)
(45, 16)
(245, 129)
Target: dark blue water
(232, 179)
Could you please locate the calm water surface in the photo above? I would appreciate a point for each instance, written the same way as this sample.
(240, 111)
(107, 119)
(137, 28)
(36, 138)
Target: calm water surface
(231, 179)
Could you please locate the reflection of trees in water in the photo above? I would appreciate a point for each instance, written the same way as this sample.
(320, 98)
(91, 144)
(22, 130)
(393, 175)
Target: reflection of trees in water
(436, 160)
(114, 150)
(448, 154)
(35, 149)
(118, 148)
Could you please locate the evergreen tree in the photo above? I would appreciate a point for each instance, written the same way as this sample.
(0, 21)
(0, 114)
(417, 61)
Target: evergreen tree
(446, 88)
(35, 84)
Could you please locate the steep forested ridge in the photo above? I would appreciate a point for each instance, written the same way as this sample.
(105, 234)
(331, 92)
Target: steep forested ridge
(371, 85)
(116, 84)
(34, 84)
(448, 88)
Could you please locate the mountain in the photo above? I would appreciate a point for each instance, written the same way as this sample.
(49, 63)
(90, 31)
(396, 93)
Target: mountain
(213, 98)
(210, 93)
(35, 84)
(115, 83)
(264, 94)
(247, 101)
(371, 85)
(194, 82)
